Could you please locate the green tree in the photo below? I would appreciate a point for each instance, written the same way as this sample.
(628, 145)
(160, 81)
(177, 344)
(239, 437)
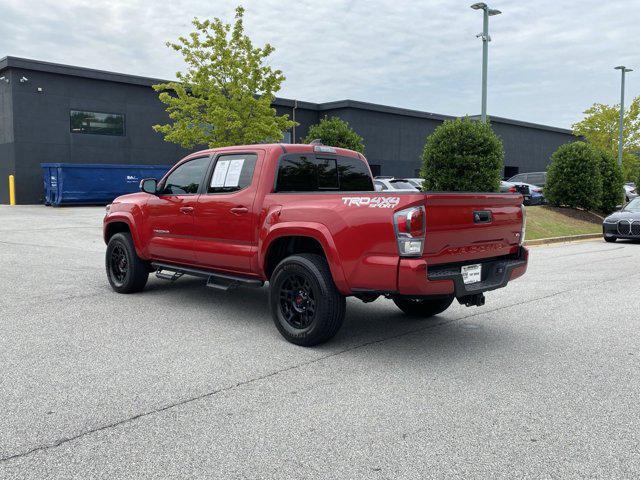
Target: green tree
(600, 128)
(335, 132)
(631, 167)
(224, 96)
(463, 155)
(574, 178)
(612, 192)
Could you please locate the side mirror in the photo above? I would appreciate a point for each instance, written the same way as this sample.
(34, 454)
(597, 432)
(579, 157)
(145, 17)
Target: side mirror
(149, 185)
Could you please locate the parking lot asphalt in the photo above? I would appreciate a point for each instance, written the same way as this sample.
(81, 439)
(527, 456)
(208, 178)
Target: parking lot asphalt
(180, 381)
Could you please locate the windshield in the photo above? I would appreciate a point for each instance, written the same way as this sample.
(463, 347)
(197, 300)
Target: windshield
(633, 205)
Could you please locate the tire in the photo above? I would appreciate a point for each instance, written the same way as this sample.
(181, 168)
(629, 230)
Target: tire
(610, 239)
(126, 272)
(306, 306)
(423, 307)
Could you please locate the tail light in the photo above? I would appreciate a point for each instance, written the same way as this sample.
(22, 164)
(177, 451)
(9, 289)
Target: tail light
(410, 226)
(513, 189)
(523, 231)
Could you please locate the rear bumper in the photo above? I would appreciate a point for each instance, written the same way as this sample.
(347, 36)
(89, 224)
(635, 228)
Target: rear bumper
(416, 278)
(534, 200)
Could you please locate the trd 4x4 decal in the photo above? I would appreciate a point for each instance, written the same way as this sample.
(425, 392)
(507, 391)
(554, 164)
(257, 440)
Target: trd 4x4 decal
(371, 202)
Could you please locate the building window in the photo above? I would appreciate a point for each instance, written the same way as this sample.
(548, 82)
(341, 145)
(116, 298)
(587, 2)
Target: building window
(97, 123)
(510, 171)
(286, 136)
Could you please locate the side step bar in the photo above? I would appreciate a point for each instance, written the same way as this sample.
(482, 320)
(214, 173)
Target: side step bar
(219, 281)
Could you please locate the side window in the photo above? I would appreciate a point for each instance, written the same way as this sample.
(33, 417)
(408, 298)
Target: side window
(536, 178)
(354, 175)
(186, 178)
(297, 173)
(232, 173)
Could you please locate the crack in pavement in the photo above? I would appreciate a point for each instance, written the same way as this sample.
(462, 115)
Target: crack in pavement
(56, 247)
(186, 401)
(48, 229)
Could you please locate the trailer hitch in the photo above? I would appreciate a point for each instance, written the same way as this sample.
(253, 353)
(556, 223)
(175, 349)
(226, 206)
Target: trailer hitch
(476, 300)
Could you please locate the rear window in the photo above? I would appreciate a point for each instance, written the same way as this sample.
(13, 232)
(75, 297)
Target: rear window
(402, 185)
(311, 173)
(536, 178)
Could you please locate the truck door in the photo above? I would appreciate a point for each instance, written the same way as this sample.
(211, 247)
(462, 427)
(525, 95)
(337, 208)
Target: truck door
(225, 218)
(171, 213)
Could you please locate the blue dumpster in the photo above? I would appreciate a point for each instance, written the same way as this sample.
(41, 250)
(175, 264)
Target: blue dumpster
(93, 184)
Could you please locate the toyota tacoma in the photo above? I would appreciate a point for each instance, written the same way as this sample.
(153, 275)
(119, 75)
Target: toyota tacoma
(307, 219)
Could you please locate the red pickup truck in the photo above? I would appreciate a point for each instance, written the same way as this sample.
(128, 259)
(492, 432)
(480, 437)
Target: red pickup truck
(306, 218)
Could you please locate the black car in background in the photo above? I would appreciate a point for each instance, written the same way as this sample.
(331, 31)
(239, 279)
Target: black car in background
(624, 223)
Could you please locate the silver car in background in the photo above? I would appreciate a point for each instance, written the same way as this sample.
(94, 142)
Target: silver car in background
(384, 184)
(630, 191)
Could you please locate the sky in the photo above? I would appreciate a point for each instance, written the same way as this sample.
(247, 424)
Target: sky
(548, 60)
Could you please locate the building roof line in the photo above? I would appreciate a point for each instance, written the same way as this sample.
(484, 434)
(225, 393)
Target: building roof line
(49, 67)
(323, 107)
(521, 123)
(84, 72)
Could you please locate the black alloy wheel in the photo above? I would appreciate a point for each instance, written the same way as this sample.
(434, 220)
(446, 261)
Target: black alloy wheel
(126, 272)
(297, 301)
(306, 306)
(119, 265)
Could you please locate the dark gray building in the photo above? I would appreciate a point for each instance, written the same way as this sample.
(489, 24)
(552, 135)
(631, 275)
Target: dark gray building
(42, 106)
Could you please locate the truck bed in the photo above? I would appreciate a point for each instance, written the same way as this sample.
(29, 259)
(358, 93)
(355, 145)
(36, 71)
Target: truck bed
(362, 227)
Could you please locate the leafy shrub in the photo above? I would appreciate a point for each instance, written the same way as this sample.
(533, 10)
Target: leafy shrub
(574, 178)
(462, 155)
(612, 181)
(630, 167)
(336, 133)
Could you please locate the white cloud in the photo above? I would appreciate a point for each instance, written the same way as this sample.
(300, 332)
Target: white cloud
(549, 60)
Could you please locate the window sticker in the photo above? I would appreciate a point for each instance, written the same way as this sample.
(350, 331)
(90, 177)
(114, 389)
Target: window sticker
(233, 173)
(220, 173)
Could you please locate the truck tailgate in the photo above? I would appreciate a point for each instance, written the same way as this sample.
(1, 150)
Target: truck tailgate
(471, 226)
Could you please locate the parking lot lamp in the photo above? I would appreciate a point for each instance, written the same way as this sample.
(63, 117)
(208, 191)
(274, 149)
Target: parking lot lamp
(624, 70)
(486, 13)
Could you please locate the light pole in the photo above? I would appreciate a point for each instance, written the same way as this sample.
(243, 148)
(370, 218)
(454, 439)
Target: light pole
(486, 13)
(624, 70)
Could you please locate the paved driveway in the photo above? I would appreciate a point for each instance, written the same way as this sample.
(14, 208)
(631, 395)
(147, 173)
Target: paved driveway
(185, 382)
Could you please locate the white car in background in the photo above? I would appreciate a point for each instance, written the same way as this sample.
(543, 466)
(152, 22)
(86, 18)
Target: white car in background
(385, 184)
(416, 182)
(630, 191)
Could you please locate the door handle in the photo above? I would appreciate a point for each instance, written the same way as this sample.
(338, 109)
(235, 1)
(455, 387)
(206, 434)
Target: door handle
(239, 210)
(482, 216)
(186, 210)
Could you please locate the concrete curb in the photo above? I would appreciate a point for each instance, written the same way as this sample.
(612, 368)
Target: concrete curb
(569, 238)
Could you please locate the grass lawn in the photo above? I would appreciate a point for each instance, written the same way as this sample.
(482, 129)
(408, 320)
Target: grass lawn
(547, 222)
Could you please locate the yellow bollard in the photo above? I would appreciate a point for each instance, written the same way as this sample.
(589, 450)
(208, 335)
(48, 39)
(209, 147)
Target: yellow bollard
(12, 190)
